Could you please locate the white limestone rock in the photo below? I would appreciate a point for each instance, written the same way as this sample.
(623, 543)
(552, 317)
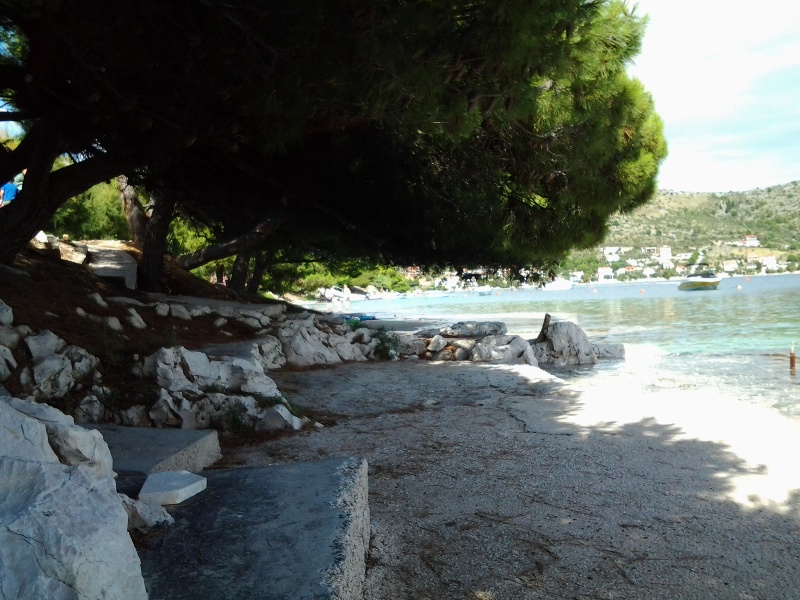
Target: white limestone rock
(6, 315)
(90, 410)
(9, 338)
(7, 363)
(72, 252)
(64, 534)
(166, 366)
(43, 345)
(272, 311)
(145, 515)
(113, 323)
(171, 487)
(609, 350)
(162, 309)
(220, 322)
(164, 412)
(22, 437)
(269, 352)
(437, 344)
(565, 344)
(263, 319)
(271, 421)
(303, 345)
(52, 377)
(98, 299)
(83, 363)
(474, 329)
(348, 351)
(200, 311)
(292, 421)
(135, 416)
(250, 322)
(135, 320)
(73, 444)
(503, 348)
(408, 345)
(179, 311)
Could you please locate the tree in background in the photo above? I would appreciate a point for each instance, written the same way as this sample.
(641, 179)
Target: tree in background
(467, 132)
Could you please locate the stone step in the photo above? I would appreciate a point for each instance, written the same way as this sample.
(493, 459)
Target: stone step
(145, 450)
(297, 531)
(112, 263)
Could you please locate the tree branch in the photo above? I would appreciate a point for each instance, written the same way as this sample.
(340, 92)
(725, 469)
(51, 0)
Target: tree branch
(243, 243)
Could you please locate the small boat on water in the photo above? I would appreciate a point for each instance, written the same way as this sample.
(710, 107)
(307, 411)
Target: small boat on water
(558, 285)
(704, 279)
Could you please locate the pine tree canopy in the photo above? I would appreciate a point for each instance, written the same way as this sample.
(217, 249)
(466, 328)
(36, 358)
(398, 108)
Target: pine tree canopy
(495, 132)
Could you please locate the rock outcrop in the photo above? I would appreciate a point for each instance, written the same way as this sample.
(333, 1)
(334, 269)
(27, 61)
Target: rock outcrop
(63, 529)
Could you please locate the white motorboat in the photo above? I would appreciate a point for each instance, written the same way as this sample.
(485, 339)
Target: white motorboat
(704, 279)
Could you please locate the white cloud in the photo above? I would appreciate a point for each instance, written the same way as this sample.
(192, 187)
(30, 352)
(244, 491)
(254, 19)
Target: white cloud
(706, 63)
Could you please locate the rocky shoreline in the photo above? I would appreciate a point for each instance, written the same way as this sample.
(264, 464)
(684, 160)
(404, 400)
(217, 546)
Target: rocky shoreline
(224, 386)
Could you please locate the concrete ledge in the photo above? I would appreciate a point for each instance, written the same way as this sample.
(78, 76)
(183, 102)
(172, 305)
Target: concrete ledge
(285, 532)
(145, 450)
(117, 264)
(171, 487)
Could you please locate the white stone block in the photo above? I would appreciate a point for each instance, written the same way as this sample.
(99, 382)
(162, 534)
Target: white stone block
(171, 487)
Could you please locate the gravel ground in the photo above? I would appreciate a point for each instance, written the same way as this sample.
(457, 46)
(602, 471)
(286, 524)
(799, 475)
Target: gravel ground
(494, 482)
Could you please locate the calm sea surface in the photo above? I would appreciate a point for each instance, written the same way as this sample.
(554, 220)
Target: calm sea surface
(733, 341)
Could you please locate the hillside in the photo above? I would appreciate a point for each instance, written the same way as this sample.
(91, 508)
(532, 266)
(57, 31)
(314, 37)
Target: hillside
(688, 221)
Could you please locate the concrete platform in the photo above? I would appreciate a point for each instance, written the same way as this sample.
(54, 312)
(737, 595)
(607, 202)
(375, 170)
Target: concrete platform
(145, 450)
(112, 263)
(298, 531)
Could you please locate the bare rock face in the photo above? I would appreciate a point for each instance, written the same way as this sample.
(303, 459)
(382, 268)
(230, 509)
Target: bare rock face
(503, 348)
(304, 346)
(565, 344)
(63, 530)
(6, 315)
(467, 329)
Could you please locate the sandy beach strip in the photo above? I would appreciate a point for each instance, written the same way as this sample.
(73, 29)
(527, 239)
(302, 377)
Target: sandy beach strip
(499, 482)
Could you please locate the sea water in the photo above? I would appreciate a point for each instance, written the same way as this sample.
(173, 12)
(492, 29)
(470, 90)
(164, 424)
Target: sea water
(731, 342)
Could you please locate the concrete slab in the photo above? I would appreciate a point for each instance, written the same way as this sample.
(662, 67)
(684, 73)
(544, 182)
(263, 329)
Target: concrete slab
(145, 450)
(287, 532)
(171, 487)
(112, 263)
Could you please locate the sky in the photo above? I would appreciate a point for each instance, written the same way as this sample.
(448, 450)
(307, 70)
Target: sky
(725, 78)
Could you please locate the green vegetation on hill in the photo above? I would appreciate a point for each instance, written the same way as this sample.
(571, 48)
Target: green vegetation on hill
(689, 221)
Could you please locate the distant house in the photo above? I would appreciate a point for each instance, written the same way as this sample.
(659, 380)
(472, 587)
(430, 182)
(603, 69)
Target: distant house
(665, 253)
(605, 273)
(576, 276)
(680, 269)
(611, 253)
(751, 241)
(412, 272)
(730, 266)
(769, 263)
(649, 250)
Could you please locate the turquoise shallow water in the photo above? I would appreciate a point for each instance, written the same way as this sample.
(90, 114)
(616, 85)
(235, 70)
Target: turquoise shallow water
(734, 340)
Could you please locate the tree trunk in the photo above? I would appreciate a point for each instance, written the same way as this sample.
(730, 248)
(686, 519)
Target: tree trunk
(155, 242)
(543, 333)
(258, 273)
(238, 278)
(45, 190)
(240, 245)
(134, 212)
